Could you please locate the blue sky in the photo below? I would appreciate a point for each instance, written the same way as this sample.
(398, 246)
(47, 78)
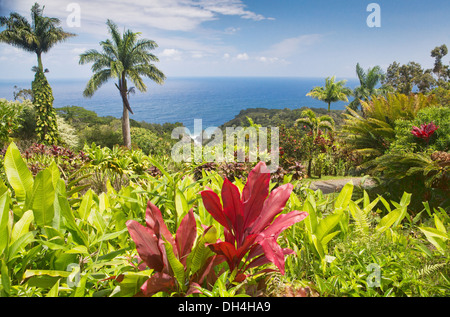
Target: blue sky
(301, 38)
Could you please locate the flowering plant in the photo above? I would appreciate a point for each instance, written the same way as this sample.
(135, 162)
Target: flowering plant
(425, 131)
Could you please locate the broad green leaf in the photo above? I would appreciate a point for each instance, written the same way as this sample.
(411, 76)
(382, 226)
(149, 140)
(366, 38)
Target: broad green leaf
(4, 218)
(20, 244)
(22, 226)
(176, 265)
(436, 237)
(181, 204)
(16, 170)
(311, 220)
(85, 205)
(439, 225)
(6, 281)
(66, 212)
(327, 225)
(344, 197)
(387, 221)
(53, 273)
(201, 252)
(43, 198)
(328, 237)
(54, 291)
(3, 187)
(318, 246)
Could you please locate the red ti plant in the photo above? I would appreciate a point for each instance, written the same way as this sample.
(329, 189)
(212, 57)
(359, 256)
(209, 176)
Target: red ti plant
(178, 265)
(425, 131)
(251, 225)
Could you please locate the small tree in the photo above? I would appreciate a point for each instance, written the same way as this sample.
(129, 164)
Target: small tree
(332, 92)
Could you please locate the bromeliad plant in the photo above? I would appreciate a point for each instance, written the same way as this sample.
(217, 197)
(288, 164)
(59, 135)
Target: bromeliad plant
(251, 225)
(425, 131)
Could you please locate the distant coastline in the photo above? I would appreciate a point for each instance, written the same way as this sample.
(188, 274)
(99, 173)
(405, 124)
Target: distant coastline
(215, 100)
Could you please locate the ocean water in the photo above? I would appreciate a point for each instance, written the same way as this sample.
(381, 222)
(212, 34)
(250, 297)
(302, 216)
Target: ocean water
(214, 100)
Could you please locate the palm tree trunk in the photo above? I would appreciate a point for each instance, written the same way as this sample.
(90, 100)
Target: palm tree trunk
(126, 127)
(126, 114)
(329, 107)
(39, 58)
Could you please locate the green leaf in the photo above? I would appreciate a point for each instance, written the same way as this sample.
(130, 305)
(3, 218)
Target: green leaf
(22, 226)
(54, 290)
(43, 198)
(176, 265)
(6, 281)
(19, 244)
(327, 225)
(85, 206)
(66, 212)
(4, 218)
(311, 220)
(16, 170)
(181, 204)
(387, 221)
(344, 197)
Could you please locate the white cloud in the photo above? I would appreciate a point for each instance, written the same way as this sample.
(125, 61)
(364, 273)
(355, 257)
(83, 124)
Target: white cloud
(171, 54)
(293, 46)
(243, 57)
(173, 15)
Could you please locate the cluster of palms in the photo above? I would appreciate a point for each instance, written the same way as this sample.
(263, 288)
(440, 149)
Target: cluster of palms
(335, 91)
(123, 57)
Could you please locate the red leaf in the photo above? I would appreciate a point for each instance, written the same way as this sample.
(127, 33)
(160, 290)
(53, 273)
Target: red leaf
(186, 235)
(155, 221)
(147, 245)
(158, 282)
(228, 251)
(273, 206)
(255, 192)
(273, 253)
(283, 222)
(233, 209)
(211, 201)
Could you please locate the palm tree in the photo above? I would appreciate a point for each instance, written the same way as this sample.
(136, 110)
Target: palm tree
(332, 92)
(123, 57)
(38, 37)
(368, 82)
(309, 118)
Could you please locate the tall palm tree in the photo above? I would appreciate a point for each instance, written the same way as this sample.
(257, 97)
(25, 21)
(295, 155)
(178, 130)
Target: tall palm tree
(332, 92)
(123, 57)
(368, 81)
(38, 37)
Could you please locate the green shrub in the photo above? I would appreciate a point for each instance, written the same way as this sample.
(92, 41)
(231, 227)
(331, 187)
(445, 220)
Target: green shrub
(10, 118)
(440, 141)
(149, 142)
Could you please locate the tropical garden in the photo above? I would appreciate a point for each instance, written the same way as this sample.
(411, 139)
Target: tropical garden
(97, 207)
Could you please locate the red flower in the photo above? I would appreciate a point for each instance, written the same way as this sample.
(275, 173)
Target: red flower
(425, 131)
(251, 225)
